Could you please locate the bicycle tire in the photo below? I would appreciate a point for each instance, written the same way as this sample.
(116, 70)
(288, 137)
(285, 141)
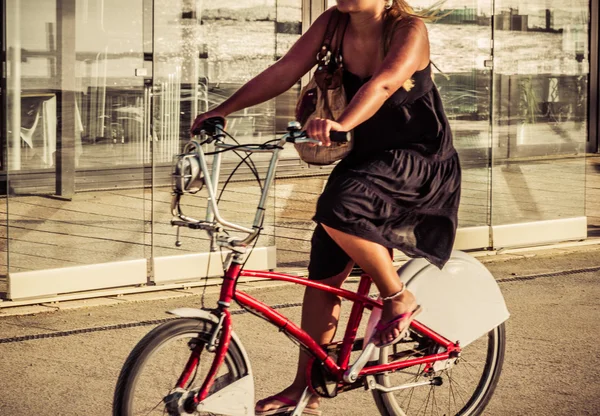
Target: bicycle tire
(390, 404)
(199, 330)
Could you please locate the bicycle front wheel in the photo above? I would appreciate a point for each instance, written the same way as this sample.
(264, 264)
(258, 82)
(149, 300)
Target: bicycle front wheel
(467, 384)
(156, 364)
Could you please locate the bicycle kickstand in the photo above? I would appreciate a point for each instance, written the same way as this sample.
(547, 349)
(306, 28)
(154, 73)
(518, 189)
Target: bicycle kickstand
(302, 402)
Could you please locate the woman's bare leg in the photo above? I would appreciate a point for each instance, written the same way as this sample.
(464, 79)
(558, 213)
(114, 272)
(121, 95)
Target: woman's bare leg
(375, 260)
(320, 315)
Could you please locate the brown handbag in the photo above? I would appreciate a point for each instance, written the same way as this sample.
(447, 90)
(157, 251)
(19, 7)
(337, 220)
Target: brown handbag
(324, 96)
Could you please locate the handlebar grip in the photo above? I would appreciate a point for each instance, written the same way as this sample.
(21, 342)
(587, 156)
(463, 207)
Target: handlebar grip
(339, 136)
(210, 125)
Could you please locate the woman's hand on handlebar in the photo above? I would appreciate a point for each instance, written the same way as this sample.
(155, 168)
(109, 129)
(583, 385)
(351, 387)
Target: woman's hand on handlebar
(197, 124)
(319, 129)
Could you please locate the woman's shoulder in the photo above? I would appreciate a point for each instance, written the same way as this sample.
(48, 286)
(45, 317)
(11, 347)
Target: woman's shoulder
(408, 30)
(414, 25)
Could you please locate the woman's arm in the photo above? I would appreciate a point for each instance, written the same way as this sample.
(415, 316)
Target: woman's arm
(408, 50)
(280, 76)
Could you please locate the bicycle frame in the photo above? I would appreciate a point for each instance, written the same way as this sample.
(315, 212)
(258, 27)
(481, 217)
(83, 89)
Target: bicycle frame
(360, 300)
(229, 293)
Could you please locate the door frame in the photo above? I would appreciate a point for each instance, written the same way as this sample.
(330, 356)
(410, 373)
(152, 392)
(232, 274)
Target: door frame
(3, 95)
(594, 80)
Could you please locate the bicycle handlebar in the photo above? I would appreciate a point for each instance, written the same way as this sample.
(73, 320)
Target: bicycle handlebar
(339, 136)
(210, 126)
(212, 130)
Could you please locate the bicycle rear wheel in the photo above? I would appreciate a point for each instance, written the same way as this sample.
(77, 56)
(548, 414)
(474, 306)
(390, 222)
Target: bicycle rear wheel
(153, 368)
(467, 383)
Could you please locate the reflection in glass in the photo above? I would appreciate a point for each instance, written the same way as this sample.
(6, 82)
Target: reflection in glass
(74, 111)
(540, 110)
(202, 55)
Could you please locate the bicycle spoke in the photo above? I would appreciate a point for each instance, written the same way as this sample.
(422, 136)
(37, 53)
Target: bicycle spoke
(471, 363)
(412, 390)
(426, 403)
(155, 407)
(450, 394)
(434, 403)
(410, 397)
(429, 399)
(453, 397)
(467, 370)
(462, 360)
(457, 391)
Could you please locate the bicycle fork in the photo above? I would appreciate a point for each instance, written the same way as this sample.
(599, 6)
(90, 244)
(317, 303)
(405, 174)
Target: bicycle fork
(236, 398)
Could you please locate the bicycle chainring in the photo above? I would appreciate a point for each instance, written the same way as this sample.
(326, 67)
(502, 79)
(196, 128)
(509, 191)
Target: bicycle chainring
(321, 381)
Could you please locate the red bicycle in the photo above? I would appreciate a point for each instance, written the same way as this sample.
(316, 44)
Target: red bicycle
(449, 363)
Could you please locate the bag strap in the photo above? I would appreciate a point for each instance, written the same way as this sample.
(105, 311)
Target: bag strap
(325, 53)
(345, 19)
(328, 36)
(331, 28)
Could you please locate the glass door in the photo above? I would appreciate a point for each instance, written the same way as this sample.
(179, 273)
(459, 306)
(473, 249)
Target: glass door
(74, 106)
(461, 53)
(202, 53)
(540, 121)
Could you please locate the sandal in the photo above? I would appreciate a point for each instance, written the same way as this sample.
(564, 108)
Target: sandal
(407, 317)
(403, 329)
(289, 407)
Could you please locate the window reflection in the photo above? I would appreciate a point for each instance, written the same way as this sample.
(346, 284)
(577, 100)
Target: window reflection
(540, 110)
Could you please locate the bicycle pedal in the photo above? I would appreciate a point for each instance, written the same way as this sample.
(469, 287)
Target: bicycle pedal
(302, 402)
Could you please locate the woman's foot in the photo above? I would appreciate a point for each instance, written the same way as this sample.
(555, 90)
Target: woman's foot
(284, 399)
(396, 316)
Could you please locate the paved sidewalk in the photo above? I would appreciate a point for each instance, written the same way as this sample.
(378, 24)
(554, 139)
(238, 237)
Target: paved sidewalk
(552, 362)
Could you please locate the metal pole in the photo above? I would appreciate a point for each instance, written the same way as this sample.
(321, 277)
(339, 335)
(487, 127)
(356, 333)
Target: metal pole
(66, 70)
(175, 148)
(594, 80)
(15, 86)
(3, 91)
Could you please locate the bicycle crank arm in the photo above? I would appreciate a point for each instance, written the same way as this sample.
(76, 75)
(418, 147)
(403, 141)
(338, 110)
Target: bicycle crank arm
(302, 403)
(373, 385)
(351, 374)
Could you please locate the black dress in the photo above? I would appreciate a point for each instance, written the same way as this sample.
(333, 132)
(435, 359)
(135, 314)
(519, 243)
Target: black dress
(399, 186)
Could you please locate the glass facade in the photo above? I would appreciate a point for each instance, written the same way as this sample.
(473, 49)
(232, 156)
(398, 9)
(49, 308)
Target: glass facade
(460, 50)
(540, 110)
(73, 103)
(99, 98)
(516, 94)
(201, 55)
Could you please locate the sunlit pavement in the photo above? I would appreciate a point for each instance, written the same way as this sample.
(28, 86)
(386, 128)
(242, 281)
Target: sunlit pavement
(551, 367)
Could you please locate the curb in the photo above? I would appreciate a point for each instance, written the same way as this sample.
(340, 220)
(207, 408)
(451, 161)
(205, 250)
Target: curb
(150, 293)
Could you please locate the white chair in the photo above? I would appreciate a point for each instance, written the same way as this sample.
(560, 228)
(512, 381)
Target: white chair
(27, 134)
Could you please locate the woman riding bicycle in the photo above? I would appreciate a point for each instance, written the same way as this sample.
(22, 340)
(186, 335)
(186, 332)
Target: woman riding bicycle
(398, 188)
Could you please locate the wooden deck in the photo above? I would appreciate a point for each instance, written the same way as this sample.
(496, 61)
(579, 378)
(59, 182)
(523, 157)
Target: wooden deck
(104, 226)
